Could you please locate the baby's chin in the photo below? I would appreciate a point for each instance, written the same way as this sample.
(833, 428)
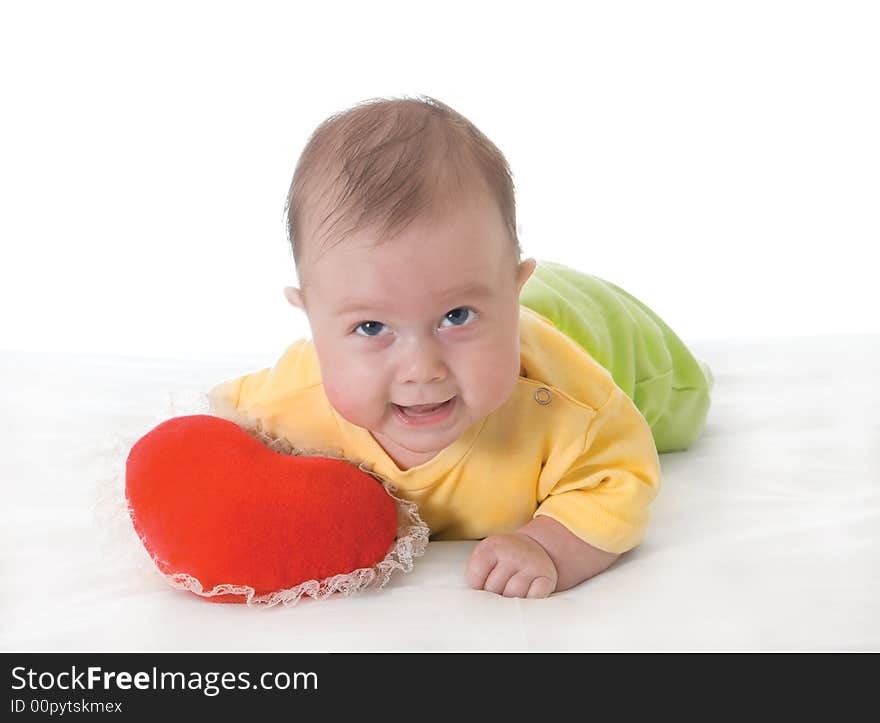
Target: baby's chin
(410, 450)
(422, 442)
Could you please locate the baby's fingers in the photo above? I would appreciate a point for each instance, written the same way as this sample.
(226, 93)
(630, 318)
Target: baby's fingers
(541, 587)
(478, 568)
(498, 579)
(525, 584)
(518, 584)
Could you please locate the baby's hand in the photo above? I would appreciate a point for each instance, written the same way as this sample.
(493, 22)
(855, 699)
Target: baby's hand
(512, 565)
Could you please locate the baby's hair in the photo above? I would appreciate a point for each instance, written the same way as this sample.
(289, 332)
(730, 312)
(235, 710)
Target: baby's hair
(387, 161)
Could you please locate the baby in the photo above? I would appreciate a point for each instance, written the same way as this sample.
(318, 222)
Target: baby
(424, 364)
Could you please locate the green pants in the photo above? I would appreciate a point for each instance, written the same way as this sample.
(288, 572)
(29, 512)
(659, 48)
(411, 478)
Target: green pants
(646, 359)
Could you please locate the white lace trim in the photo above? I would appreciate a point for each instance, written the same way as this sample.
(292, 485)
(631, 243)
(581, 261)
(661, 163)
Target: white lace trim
(113, 516)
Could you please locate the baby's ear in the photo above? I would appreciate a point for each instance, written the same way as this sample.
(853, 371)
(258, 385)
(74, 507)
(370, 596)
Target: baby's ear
(525, 271)
(294, 296)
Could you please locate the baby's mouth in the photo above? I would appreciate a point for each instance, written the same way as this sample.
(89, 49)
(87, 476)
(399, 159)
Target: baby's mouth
(424, 409)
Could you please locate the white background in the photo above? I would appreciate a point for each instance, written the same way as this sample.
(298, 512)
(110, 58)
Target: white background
(720, 161)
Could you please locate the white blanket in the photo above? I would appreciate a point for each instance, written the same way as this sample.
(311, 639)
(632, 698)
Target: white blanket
(765, 536)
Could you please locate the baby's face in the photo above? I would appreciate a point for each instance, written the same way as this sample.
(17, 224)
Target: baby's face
(431, 316)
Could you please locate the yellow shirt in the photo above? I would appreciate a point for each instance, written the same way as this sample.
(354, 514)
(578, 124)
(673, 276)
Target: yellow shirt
(587, 458)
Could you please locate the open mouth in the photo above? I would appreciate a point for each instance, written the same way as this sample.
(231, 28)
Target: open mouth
(425, 412)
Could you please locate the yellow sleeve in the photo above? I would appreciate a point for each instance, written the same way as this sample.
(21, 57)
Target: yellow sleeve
(604, 498)
(237, 394)
(260, 393)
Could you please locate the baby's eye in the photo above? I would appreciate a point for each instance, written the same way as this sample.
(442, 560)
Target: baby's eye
(460, 316)
(371, 328)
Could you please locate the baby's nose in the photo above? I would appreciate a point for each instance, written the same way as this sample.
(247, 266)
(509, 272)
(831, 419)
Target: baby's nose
(422, 363)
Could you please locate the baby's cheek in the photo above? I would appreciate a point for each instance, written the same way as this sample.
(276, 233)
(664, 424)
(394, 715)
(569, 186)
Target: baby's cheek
(492, 381)
(352, 401)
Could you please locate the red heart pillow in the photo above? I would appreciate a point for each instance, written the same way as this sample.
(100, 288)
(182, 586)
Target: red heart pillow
(211, 502)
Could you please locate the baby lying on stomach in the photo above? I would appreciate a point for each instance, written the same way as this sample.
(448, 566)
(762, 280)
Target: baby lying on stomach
(424, 364)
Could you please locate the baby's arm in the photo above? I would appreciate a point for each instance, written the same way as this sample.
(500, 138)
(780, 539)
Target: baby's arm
(604, 495)
(539, 558)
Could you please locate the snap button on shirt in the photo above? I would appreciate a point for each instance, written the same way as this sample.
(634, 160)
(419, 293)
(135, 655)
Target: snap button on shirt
(542, 395)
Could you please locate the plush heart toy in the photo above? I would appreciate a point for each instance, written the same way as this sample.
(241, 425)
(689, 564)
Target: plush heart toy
(237, 521)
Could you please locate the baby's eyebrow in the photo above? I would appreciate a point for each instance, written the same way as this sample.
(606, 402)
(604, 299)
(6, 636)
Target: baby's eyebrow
(470, 290)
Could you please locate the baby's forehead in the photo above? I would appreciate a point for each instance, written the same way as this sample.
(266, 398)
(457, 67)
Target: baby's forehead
(417, 279)
(396, 296)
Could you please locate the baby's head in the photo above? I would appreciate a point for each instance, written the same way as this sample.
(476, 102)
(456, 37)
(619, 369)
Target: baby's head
(402, 223)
